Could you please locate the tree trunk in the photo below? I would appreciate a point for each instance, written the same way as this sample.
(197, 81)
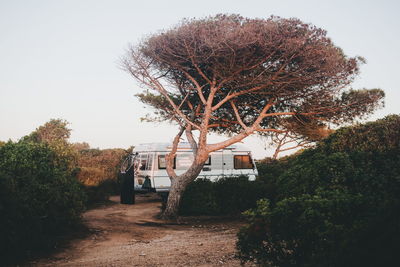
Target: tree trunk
(178, 186)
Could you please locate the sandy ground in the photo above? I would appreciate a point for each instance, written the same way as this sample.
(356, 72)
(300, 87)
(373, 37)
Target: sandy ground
(131, 235)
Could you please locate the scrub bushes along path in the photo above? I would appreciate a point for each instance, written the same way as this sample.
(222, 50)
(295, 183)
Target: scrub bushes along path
(40, 199)
(335, 205)
(226, 196)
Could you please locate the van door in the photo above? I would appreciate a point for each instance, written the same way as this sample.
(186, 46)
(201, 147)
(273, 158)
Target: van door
(144, 170)
(227, 162)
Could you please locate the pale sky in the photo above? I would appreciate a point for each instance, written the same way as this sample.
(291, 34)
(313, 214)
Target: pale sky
(59, 59)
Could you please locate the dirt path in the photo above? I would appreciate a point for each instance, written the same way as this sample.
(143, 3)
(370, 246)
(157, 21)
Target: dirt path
(131, 235)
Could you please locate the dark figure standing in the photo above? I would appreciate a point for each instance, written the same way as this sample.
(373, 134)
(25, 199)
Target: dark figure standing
(127, 187)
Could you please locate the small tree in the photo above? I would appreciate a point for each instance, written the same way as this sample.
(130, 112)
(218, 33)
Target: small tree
(236, 75)
(56, 134)
(55, 130)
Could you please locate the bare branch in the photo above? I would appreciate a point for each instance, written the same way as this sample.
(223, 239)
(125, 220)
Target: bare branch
(191, 140)
(233, 95)
(169, 158)
(237, 115)
(197, 85)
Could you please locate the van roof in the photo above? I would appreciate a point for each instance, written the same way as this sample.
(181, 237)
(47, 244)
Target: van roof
(160, 147)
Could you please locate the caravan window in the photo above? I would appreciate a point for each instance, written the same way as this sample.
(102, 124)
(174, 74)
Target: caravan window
(162, 164)
(243, 162)
(146, 161)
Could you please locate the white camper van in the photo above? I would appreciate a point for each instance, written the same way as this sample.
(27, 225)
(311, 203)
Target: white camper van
(148, 161)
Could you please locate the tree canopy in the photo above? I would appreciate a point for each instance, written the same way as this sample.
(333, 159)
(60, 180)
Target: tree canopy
(283, 64)
(55, 133)
(55, 130)
(236, 75)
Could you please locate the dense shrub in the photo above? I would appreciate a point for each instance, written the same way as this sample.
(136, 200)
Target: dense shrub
(269, 170)
(55, 133)
(100, 193)
(99, 171)
(39, 198)
(98, 165)
(40, 195)
(226, 196)
(380, 135)
(199, 199)
(335, 205)
(236, 194)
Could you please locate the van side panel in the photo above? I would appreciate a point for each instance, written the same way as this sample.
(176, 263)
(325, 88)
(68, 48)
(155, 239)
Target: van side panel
(162, 183)
(184, 160)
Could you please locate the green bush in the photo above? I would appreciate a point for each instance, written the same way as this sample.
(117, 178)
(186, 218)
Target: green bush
(199, 199)
(100, 193)
(96, 166)
(269, 171)
(99, 171)
(309, 230)
(40, 198)
(329, 228)
(335, 205)
(380, 135)
(226, 196)
(236, 194)
(314, 169)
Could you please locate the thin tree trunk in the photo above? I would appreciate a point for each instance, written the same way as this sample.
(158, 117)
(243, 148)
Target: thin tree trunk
(178, 186)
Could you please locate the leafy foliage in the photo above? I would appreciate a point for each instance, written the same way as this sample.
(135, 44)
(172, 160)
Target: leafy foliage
(55, 130)
(97, 165)
(98, 171)
(237, 194)
(380, 135)
(249, 62)
(199, 199)
(39, 198)
(269, 170)
(226, 196)
(335, 205)
(101, 192)
(55, 133)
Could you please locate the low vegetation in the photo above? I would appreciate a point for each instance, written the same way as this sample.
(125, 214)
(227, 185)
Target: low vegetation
(98, 171)
(40, 198)
(335, 205)
(226, 196)
(46, 183)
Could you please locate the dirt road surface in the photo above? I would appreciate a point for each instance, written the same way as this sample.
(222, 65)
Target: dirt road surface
(131, 235)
